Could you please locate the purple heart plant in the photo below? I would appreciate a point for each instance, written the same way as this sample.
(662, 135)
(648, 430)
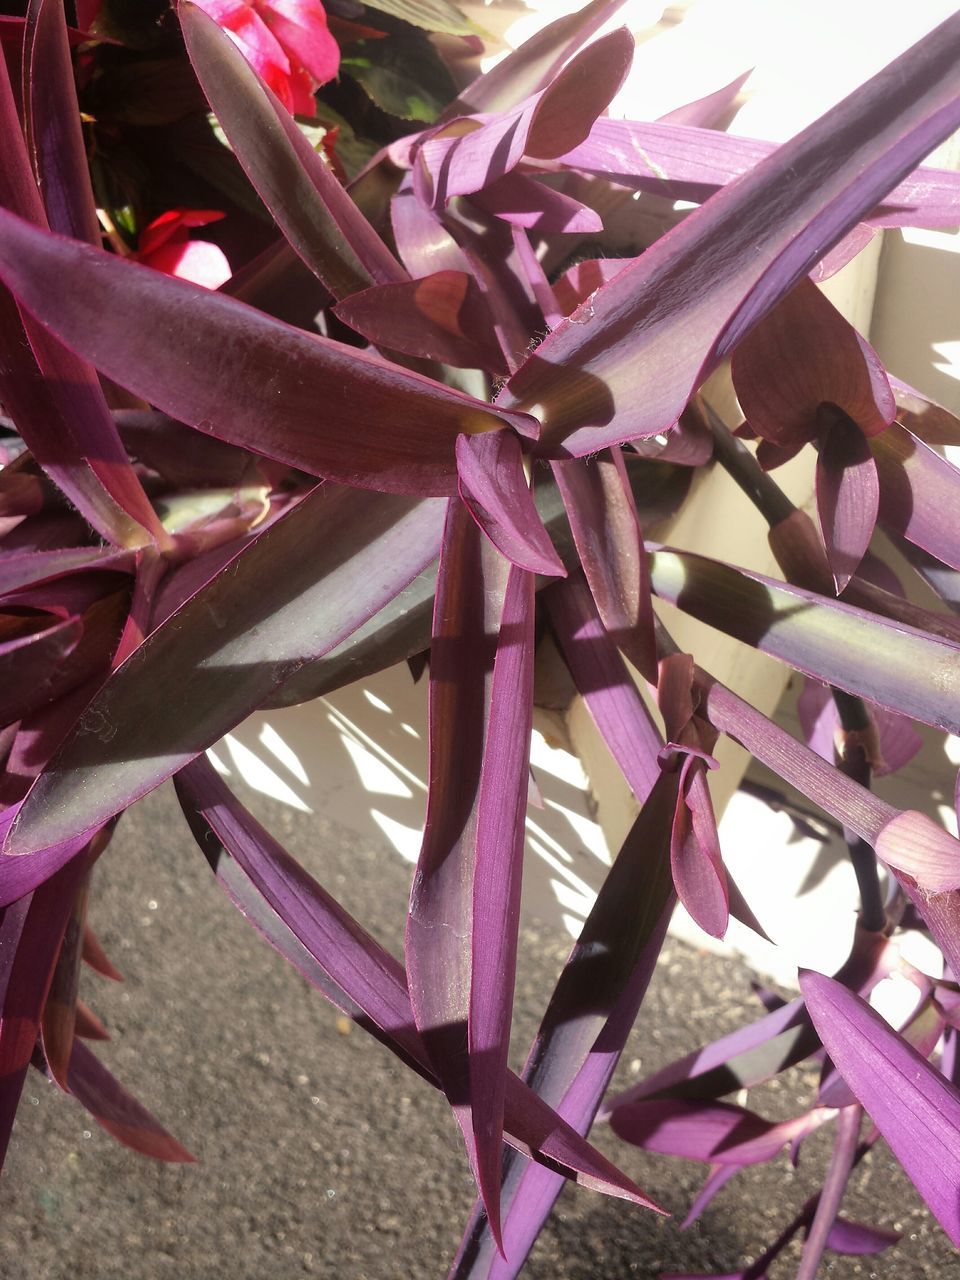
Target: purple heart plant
(428, 418)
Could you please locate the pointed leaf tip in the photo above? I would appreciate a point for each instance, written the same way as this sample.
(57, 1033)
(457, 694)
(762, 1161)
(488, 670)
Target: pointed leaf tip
(916, 1110)
(494, 488)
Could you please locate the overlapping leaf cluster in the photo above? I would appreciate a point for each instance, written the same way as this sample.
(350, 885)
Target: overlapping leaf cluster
(208, 508)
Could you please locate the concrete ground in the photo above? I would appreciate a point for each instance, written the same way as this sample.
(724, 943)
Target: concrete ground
(318, 1153)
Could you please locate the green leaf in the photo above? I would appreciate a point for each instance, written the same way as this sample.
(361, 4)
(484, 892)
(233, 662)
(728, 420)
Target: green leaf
(403, 76)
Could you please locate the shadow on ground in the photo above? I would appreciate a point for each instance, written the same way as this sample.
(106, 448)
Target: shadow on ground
(319, 1154)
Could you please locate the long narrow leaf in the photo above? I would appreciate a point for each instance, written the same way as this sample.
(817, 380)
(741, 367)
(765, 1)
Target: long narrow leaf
(673, 159)
(467, 619)
(54, 398)
(313, 211)
(899, 667)
(353, 970)
(532, 66)
(220, 655)
(262, 384)
(687, 301)
(52, 118)
(913, 1106)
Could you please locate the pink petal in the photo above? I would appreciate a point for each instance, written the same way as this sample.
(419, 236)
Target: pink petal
(195, 260)
(301, 27)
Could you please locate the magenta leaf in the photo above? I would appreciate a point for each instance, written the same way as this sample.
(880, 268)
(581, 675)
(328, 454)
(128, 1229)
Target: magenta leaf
(410, 422)
(494, 488)
(311, 208)
(207, 666)
(694, 294)
(848, 496)
(913, 1106)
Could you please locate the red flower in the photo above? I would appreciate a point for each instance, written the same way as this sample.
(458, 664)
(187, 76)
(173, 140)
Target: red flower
(287, 42)
(166, 246)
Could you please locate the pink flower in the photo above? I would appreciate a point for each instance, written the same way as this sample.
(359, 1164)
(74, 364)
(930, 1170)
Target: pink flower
(166, 246)
(287, 42)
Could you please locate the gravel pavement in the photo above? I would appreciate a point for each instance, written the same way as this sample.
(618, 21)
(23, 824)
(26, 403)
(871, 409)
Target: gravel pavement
(319, 1154)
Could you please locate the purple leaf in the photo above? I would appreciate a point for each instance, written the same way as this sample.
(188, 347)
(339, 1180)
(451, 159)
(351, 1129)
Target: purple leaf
(804, 354)
(524, 202)
(17, 571)
(536, 63)
(814, 634)
(831, 1195)
(30, 935)
(704, 112)
(59, 1017)
(97, 958)
(351, 969)
(859, 1239)
(605, 528)
(494, 488)
(317, 217)
(544, 126)
(123, 1117)
(916, 486)
(585, 1027)
(498, 863)
(716, 1180)
(424, 244)
(30, 665)
(695, 856)
(410, 422)
(582, 280)
(465, 725)
(916, 1110)
(848, 496)
(218, 657)
(52, 124)
(714, 1132)
(605, 684)
(88, 1025)
(55, 399)
(669, 158)
(695, 293)
(442, 317)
